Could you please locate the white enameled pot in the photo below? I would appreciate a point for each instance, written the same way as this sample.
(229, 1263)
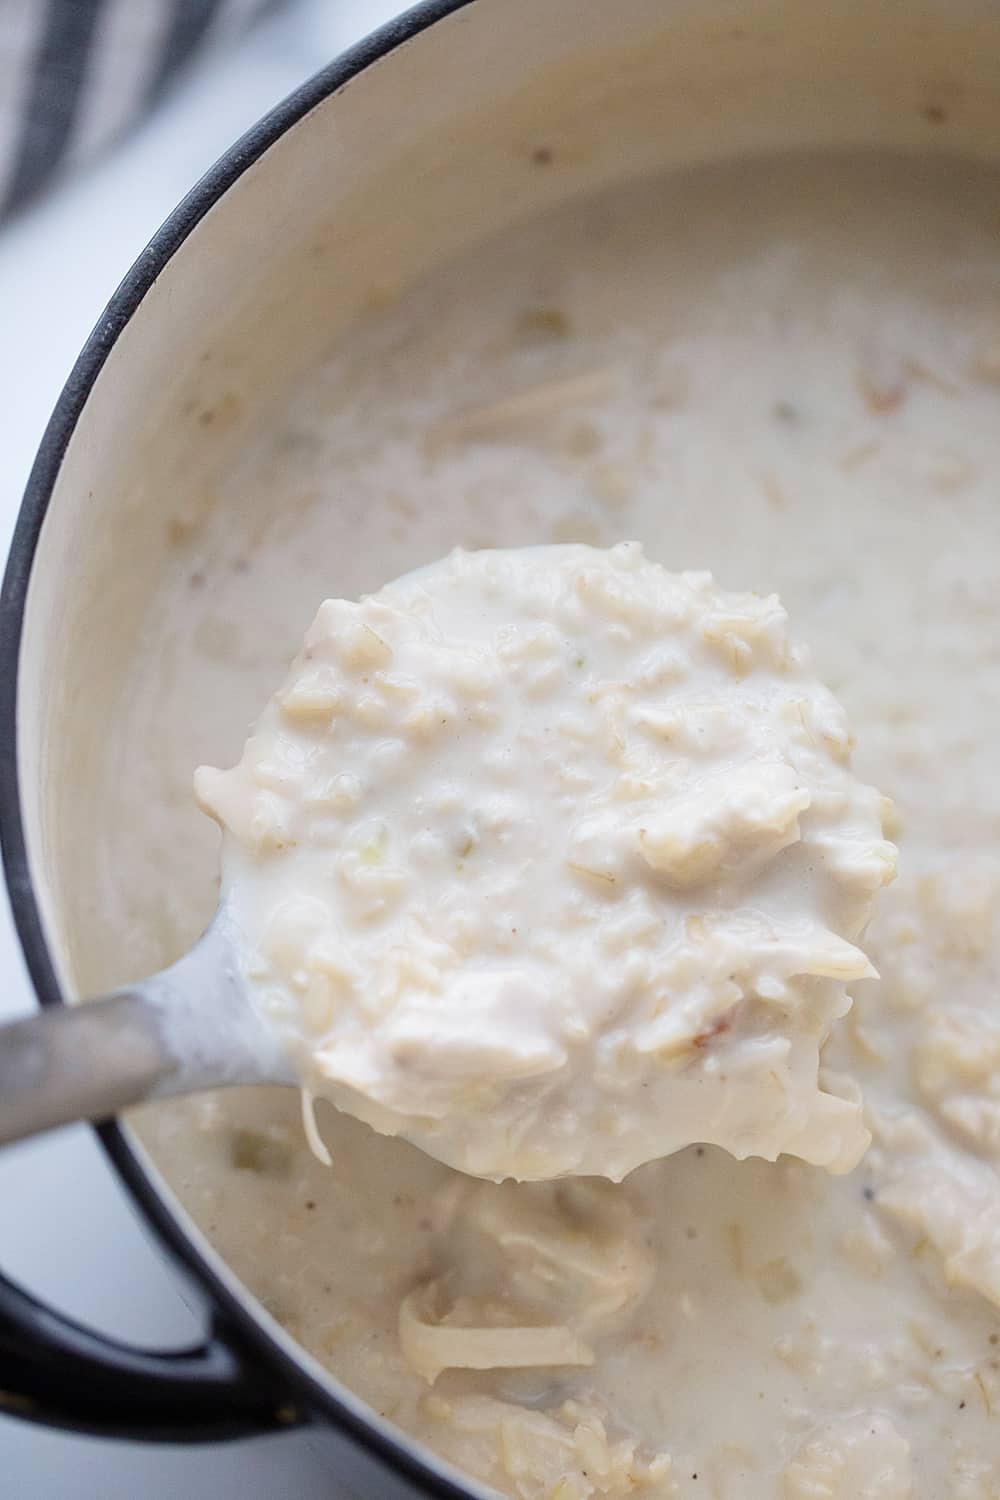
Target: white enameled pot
(445, 127)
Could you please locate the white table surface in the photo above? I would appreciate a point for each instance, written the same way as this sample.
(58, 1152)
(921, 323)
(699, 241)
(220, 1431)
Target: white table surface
(66, 1228)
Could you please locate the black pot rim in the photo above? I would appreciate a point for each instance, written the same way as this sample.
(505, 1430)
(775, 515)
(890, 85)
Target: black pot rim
(395, 1452)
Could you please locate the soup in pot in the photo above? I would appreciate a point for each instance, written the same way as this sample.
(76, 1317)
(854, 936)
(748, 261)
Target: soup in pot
(787, 372)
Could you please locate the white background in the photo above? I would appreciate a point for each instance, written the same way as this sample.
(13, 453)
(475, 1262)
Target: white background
(66, 1228)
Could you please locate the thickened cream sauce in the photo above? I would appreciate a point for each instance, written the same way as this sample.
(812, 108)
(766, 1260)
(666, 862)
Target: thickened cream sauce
(788, 373)
(550, 861)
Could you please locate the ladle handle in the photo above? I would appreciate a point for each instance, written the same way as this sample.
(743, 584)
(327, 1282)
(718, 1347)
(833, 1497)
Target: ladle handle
(80, 1062)
(86, 1062)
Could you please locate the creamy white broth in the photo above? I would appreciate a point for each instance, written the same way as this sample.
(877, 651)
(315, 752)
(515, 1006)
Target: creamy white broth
(789, 373)
(553, 863)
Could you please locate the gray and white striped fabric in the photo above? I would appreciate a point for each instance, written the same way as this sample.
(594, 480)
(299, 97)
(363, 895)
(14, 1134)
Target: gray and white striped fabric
(75, 73)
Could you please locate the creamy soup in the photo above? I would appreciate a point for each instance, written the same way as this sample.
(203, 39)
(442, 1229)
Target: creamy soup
(548, 860)
(788, 373)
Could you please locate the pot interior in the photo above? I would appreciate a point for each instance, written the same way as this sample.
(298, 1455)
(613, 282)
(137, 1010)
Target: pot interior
(461, 132)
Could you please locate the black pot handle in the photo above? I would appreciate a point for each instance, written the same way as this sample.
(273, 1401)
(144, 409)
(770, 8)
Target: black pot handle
(55, 1371)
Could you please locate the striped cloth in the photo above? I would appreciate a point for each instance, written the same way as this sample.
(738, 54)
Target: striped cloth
(75, 73)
